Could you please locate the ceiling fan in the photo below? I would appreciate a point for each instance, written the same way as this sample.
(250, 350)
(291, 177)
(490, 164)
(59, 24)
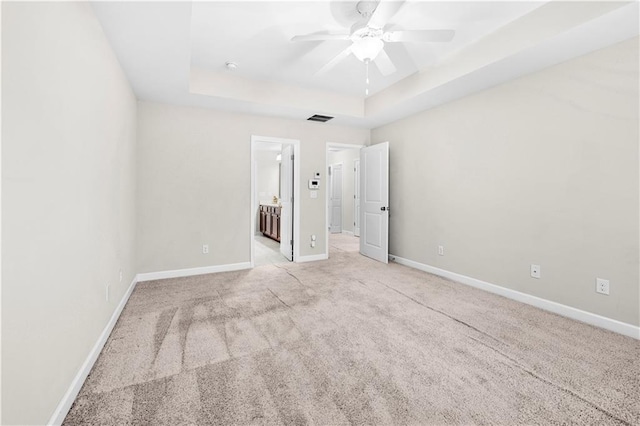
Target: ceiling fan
(368, 36)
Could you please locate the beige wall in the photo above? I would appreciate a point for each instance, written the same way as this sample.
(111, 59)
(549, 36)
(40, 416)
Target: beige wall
(267, 176)
(194, 183)
(68, 187)
(346, 158)
(543, 169)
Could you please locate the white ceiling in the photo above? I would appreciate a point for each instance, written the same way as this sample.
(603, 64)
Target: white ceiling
(175, 52)
(257, 36)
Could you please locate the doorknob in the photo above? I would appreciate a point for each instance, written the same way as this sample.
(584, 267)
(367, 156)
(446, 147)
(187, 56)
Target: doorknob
(384, 208)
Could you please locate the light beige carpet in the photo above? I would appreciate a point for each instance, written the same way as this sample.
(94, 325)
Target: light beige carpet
(351, 341)
(343, 242)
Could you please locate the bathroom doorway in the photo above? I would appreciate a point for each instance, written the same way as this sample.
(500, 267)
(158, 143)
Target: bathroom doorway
(274, 200)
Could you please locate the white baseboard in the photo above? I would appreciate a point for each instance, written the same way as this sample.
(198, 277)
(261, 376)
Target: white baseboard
(557, 308)
(149, 276)
(347, 232)
(63, 407)
(312, 258)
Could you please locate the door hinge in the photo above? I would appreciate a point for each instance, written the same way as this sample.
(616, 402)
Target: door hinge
(291, 243)
(291, 156)
(292, 199)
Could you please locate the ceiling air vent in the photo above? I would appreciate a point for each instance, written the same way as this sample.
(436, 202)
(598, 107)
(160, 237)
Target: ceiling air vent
(320, 118)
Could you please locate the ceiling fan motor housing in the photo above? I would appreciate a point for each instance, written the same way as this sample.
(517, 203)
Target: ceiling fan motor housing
(361, 30)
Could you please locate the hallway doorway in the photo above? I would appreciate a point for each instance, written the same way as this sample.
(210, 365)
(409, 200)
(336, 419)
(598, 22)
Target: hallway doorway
(342, 198)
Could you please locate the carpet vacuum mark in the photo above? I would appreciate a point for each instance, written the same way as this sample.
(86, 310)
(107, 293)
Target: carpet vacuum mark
(351, 341)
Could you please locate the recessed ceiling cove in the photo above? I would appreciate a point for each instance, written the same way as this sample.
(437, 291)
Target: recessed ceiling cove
(175, 52)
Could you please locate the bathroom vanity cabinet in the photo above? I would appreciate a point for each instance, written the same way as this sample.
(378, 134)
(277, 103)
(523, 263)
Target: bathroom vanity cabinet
(270, 221)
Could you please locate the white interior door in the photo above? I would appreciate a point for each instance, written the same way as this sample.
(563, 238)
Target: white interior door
(286, 200)
(335, 199)
(356, 198)
(374, 192)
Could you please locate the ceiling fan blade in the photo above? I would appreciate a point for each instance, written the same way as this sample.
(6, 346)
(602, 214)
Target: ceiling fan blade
(419, 36)
(384, 64)
(384, 12)
(320, 37)
(332, 63)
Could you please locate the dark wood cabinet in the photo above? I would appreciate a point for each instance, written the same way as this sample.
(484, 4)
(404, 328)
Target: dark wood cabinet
(270, 221)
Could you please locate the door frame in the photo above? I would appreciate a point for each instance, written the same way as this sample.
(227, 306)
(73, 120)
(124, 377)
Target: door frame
(356, 200)
(295, 143)
(326, 192)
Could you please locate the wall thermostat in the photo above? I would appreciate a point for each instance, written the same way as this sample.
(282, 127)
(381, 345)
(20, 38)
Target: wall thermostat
(314, 184)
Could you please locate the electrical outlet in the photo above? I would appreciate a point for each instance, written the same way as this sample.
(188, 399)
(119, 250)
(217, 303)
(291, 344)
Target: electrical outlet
(205, 248)
(120, 275)
(602, 286)
(535, 271)
(313, 244)
(441, 250)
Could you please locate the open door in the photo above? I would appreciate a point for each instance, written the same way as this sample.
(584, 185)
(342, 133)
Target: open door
(286, 200)
(374, 210)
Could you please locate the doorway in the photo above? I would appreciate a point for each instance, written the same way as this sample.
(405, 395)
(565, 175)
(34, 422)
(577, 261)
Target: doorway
(342, 224)
(275, 189)
(335, 198)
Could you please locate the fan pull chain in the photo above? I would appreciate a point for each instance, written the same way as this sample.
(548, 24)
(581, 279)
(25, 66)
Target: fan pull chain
(366, 91)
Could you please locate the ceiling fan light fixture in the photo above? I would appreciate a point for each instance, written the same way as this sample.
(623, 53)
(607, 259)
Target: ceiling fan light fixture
(367, 48)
